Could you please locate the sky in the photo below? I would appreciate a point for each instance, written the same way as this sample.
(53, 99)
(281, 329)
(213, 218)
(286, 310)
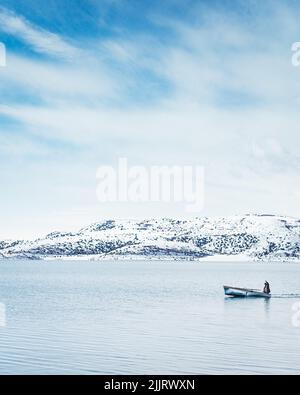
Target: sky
(203, 83)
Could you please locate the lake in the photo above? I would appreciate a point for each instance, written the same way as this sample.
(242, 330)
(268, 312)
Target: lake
(147, 318)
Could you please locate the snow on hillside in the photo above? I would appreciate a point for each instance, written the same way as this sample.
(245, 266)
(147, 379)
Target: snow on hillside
(250, 237)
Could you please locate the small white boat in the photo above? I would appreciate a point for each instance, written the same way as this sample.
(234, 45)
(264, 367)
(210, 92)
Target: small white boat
(245, 292)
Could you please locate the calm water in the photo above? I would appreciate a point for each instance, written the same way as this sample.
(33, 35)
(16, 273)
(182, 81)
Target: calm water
(146, 318)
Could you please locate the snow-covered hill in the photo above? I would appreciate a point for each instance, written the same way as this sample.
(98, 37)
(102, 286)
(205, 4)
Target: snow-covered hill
(249, 237)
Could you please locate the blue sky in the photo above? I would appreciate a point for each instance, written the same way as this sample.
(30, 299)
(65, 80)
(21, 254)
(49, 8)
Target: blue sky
(168, 82)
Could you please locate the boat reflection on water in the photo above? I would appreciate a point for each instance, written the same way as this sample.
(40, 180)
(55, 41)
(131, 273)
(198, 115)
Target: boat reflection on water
(267, 305)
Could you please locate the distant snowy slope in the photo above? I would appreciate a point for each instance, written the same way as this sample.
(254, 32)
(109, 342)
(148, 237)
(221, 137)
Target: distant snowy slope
(252, 237)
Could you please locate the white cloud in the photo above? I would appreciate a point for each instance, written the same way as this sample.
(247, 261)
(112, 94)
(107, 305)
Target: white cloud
(231, 104)
(50, 82)
(40, 40)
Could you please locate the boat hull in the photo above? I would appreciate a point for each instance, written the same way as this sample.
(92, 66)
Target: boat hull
(244, 292)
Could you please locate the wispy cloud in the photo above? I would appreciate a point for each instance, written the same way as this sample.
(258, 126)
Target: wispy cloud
(40, 40)
(208, 89)
(76, 83)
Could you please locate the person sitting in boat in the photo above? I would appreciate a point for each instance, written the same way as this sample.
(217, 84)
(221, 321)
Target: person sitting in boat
(267, 289)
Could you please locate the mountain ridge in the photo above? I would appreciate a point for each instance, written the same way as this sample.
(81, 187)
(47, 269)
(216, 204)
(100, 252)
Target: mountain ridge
(250, 237)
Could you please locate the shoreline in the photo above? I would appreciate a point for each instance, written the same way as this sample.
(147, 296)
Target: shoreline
(140, 258)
